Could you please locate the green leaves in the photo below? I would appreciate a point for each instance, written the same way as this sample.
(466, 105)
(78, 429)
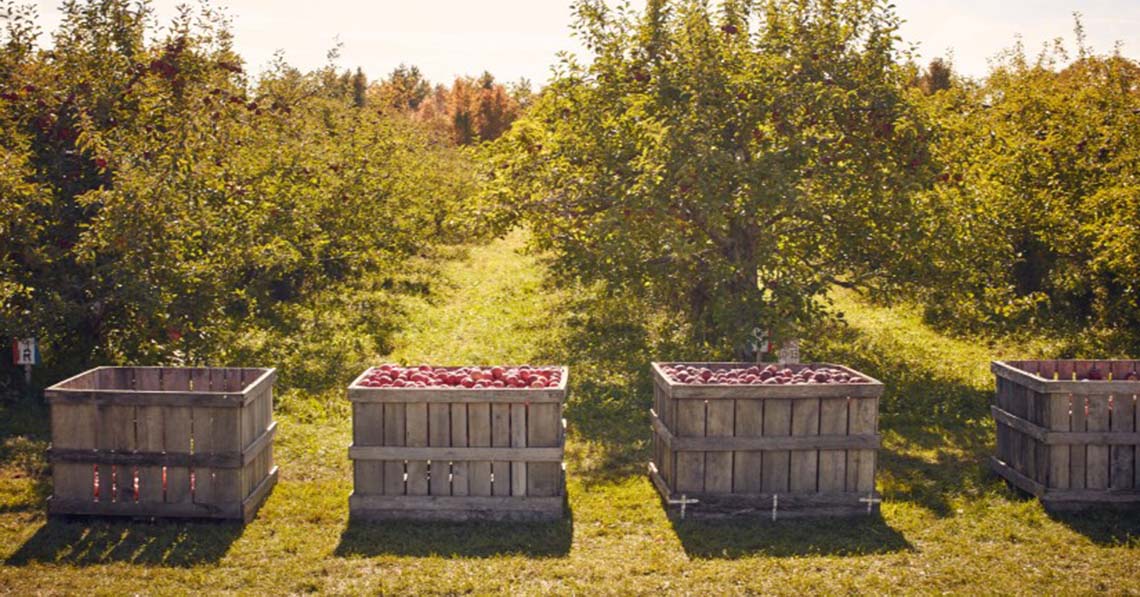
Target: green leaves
(725, 174)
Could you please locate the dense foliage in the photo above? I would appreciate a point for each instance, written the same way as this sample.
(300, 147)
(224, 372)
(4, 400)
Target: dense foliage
(1034, 217)
(727, 166)
(159, 203)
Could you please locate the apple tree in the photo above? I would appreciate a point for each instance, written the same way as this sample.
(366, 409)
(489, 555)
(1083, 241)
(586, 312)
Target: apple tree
(726, 165)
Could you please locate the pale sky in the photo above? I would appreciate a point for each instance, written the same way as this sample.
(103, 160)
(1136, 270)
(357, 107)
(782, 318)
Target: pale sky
(520, 38)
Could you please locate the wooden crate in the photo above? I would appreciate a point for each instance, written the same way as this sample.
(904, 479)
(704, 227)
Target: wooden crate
(1071, 443)
(776, 450)
(162, 442)
(457, 453)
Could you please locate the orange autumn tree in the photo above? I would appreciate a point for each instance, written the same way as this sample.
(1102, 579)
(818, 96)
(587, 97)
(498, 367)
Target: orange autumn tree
(473, 109)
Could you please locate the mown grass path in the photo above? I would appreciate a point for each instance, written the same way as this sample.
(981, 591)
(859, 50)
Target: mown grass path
(947, 526)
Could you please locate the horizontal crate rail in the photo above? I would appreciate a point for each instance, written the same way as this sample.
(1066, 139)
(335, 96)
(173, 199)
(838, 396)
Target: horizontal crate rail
(456, 454)
(1047, 436)
(457, 503)
(1044, 385)
(762, 443)
(208, 459)
(1039, 490)
(189, 509)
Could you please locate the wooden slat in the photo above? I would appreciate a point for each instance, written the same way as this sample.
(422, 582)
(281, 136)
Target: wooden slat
(544, 430)
(518, 440)
(747, 463)
(444, 503)
(416, 435)
(718, 465)
(479, 435)
(459, 440)
(690, 466)
(863, 420)
(1077, 452)
(1058, 454)
(804, 463)
(501, 438)
(1096, 459)
(730, 444)
(176, 438)
(832, 463)
(368, 430)
(1123, 458)
(394, 435)
(777, 423)
(150, 431)
(439, 435)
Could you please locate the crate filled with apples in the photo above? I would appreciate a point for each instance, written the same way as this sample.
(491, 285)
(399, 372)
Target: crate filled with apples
(778, 439)
(427, 376)
(458, 442)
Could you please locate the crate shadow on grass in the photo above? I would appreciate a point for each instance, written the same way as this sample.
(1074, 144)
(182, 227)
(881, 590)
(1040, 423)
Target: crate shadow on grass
(736, 538)
(90, 542)
(411, 538)
(1106, 527)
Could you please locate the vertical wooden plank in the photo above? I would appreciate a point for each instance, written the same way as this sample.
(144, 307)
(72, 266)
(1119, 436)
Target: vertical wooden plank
(150, 439)
(518, 440)
(805, 463)
(1046, 369)
(1077, 452)
(202, 434)
(832, 463)
(1096, 459)
(459, 439)
(718, 465)
(368, 431)
(1123, 458)
(777, 423)
(501, 438)
(690, 465)
(394, 428)
(73, 428)
(177, 440)
(863, 420)
(479, 436)
(439, 435)
(1058, 455)
(746, 473)
(544, 430)
(416, 436)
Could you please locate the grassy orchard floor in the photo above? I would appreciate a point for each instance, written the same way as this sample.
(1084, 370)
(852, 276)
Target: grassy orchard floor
(946, 526)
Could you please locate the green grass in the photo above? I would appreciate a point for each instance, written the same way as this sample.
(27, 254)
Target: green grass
(946, 526)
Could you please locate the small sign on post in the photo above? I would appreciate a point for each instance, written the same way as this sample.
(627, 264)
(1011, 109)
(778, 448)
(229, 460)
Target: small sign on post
(789, 353)
(26, 352)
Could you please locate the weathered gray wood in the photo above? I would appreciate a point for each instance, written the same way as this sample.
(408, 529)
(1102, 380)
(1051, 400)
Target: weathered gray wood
(747, 465)
(523, 454)
(176, 439)
(452, 509)
(416, 435)
(804, 463)
(1062, 386)
(479, 436)
(459, 439)
(832, 462)
(718, 465)
(368, 430)
(1077, 452)
(439, 435)
(524, 503)
(394, 435)
(501, 438)
(1123, 463)
(863, 419)
(518, 440)
(1096, 459)
(544, 430)
(690, 466)
(777, 423)
(1058, 454)
(722, 444)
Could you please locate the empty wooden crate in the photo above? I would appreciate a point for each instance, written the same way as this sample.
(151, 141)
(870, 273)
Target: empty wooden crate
(775, 450)
(456, 453)
(1067, 431)
(162, 442)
